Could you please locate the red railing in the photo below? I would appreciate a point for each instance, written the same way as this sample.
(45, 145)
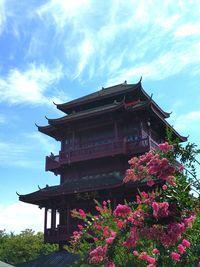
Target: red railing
(104, 149)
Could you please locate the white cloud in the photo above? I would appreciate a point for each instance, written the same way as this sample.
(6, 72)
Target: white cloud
(29, 86)
(188, 122)
(86, 50)
(188, 30)
(63, 11)
(19, 216)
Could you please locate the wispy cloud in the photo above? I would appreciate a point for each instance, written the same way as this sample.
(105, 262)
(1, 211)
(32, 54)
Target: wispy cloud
(19, 216)
(2, 15)
(167, 64)
(16, 154)
(187, 122)
(21, 153)
(144, 34)
(188, 29)
(30, 86)
(46, 144)
(2, 119)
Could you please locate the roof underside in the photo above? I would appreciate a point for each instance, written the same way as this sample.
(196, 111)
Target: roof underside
(58, 259)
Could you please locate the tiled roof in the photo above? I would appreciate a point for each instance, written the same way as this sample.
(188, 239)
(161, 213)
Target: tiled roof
(85, 113)
(71, 186)
(54, 259)
(3, 264)
(103, 93)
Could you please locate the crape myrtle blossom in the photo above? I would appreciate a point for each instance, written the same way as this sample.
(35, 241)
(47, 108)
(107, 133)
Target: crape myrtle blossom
(152, 223)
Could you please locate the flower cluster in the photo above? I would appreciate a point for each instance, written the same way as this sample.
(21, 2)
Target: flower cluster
(151, 167)
(152, 223)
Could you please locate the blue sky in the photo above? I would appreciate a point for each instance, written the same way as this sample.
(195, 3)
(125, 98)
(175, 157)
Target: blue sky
(59, 50)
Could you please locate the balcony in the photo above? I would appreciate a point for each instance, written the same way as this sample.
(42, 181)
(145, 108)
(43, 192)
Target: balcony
(105, 148)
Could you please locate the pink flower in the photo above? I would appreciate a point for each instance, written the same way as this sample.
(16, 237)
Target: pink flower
(97, 255)
(151, 259)
(121, 210)
(138, 199)
(80, 227)
(181, 168)
(82, 213)
(156, 251)
(110, 264)
(175, 256)
(109, 240)
(95, 239)
(120, 224)
(135, 253)
(150, 183)
(143, 256)
(181, 249)
(198, 264)
(171, 180)
(165, 147)
(188, 221)
(104, 203)
(185, 243)
(164, 187)
(144, 194)
(132, 239)
(113, 233)
(160, 209)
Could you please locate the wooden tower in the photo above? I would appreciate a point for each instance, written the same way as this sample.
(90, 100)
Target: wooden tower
(98, 135)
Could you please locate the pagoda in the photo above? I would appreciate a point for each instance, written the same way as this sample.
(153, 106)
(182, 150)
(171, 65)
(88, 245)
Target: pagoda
(98, 134)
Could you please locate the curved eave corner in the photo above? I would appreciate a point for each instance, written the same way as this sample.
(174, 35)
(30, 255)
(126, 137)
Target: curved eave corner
(49, 130)
(177, 135)
(164, 113)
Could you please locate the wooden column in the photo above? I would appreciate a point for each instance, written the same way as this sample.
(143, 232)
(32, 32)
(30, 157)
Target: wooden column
(73, 139)
(53, 218)
(45, 219)
(116, 130)
(68, 217)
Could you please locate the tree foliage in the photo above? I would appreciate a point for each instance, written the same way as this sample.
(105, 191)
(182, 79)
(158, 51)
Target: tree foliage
(23, 247)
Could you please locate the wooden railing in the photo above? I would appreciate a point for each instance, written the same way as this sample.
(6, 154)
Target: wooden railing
(104, 149)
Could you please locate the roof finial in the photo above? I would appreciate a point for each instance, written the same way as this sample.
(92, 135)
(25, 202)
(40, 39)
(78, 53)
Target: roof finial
(125, 82)
(46, 118)
(140, 79)
(102, 88)
(54, 103)
(37, 125)
(39, 187)
(18, 194)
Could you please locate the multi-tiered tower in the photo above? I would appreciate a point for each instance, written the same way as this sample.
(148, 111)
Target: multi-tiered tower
(98, 134)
